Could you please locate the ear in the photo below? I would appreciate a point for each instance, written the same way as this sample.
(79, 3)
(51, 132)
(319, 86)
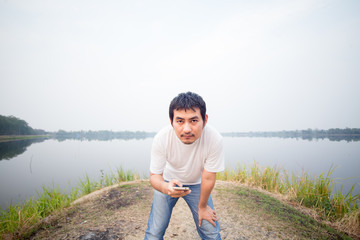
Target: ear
(206, 119)
(171, 122)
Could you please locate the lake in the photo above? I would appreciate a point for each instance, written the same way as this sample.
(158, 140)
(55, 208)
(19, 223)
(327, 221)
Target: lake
(26, 166)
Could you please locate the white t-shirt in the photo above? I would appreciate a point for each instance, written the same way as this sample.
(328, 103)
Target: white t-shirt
(185, 162)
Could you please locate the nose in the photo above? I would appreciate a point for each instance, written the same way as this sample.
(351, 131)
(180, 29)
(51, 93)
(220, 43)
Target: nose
(187, 128)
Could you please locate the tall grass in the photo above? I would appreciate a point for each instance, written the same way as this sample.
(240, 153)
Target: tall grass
(123, 175)
(19, 220)
(317, 192)
(87, 186)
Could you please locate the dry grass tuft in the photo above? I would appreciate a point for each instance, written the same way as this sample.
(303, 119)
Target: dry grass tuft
(350, 223)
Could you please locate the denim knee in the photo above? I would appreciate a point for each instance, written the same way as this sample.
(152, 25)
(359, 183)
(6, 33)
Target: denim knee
(160, 214)
(208, 231)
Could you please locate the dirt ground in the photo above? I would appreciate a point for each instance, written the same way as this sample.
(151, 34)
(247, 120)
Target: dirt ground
(121, 212)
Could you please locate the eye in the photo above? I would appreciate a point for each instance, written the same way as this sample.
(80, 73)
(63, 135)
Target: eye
(195, 120)
(179, 121)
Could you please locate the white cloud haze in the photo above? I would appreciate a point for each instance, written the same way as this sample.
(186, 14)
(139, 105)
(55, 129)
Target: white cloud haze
(116, 65)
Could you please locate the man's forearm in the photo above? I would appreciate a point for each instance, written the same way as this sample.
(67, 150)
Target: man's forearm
(157, 181)
(207, 184)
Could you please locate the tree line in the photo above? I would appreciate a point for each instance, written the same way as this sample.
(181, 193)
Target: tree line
(102, 135)
(333, 134)
(10, 125)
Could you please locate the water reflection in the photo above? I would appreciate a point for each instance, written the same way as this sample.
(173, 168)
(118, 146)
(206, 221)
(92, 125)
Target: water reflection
(337, 138)
(101, 135)
(63, 163)
(11, 149)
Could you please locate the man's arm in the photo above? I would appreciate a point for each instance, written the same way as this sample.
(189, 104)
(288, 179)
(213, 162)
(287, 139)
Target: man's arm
(207, 184)
(157, 181)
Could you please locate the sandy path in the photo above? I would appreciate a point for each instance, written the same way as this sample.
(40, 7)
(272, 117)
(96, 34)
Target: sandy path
(122, 213)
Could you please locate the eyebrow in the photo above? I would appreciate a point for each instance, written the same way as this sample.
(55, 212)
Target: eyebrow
(195, 117)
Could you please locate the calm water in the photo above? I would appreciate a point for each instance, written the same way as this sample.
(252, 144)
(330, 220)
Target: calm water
(64, 163)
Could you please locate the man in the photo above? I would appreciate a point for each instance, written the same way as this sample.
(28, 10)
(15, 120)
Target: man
(188, 153)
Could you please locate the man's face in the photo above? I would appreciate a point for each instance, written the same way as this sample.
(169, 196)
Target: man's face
(188, 124)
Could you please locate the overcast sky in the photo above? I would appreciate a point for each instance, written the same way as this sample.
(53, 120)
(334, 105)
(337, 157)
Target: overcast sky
(116, 65)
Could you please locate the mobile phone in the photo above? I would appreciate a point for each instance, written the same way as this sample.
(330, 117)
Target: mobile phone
(181, 188)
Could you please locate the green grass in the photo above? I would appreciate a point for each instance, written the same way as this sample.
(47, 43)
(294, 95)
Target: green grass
(87, 185)
(315, 192)
(21, 219)
(123, 175)
(5, 138)
(281, 216)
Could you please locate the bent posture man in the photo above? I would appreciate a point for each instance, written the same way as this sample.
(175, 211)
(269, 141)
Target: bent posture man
(188, 153)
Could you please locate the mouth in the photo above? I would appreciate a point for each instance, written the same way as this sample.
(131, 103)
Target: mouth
(187, 136)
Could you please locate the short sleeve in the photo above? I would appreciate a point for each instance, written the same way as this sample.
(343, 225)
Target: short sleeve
(158, 156)
(215, 161)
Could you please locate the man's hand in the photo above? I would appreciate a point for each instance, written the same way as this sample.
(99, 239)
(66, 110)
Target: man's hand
(207, 184)
(176, 193)
(157, 181)
(207, 214)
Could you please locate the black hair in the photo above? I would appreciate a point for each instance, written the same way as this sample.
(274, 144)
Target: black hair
(185, 101)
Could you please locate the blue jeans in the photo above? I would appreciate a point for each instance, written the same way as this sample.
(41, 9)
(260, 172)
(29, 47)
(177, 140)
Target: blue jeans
(161, 210)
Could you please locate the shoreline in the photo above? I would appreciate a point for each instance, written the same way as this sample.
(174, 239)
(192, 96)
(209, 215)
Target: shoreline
(121, 211)
(26, 217)
(9, 138)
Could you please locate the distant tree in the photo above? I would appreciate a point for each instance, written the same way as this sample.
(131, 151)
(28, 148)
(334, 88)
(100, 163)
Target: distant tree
(10, 125)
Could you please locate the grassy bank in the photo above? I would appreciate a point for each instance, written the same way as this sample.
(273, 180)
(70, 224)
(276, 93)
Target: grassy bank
(315, 192)
(6, 138)
(21, 219)
(280, 220)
